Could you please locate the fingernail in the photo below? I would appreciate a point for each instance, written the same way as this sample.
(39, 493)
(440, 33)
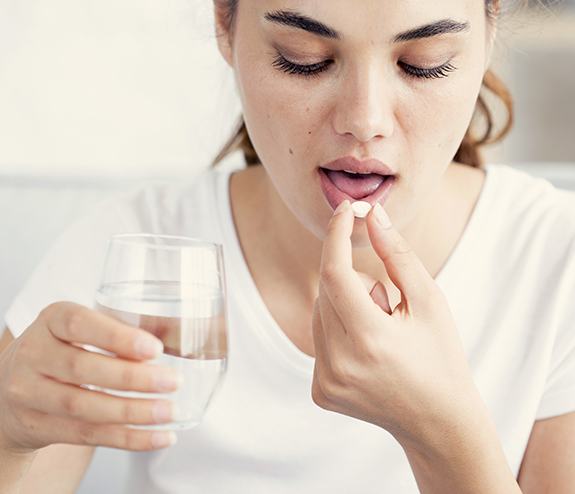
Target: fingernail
(163, 439)
(148, 346)
(164, 412)
(381, 216)
(343, 206)
(168, 381)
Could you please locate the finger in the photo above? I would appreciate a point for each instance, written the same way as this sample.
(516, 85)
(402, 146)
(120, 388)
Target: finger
(77, 324)
(66, 400)
(210, 343)
(379, 295)
(75, 365)
(404, 268)
(49, 429)
(377, 291)
(342, 283)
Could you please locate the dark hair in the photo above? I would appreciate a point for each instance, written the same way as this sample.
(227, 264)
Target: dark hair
(469, 151)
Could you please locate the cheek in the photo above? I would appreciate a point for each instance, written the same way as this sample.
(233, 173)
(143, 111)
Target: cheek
(437, 115)
(280, 111)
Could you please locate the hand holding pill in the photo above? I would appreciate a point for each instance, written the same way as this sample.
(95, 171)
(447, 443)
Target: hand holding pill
(368, 355)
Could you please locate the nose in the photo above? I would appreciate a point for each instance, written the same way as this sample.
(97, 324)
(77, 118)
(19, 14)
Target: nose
(364, 106)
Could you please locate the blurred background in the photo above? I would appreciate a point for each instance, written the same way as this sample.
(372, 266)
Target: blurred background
(98, 94)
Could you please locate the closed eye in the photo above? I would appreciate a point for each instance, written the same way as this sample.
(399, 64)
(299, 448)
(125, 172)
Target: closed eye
(314, 70)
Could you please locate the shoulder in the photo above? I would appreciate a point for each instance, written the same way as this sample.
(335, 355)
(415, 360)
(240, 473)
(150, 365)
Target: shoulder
(529, 187)
(529, 206)
(524, 235)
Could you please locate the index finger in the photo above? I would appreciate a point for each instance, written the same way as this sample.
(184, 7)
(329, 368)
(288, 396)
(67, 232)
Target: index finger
(343, 285)
(73, 323)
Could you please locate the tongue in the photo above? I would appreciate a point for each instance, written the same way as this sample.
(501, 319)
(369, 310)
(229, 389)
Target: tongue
(357, 188)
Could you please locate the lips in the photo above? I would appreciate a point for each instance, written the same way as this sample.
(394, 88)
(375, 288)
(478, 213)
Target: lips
(349, 163)
(336, 188)
(355, 185)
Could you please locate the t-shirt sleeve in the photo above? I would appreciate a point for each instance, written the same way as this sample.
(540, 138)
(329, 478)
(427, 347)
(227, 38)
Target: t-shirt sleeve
(70, 269)
(559, 394)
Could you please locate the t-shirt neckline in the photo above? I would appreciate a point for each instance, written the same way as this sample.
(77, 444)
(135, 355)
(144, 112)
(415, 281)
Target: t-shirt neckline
(252, 303)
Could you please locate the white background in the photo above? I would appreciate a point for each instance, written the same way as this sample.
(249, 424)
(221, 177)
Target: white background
(111, 87)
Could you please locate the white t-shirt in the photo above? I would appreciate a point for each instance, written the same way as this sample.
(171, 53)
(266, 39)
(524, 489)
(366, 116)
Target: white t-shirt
(510, 282)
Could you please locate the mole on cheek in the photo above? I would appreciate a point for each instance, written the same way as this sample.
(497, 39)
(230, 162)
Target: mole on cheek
(309, 133)
(290, 151)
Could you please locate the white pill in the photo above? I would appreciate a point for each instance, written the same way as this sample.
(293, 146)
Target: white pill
(361, 209)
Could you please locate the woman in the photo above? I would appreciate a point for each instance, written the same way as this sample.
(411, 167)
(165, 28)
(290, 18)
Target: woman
(443, 325)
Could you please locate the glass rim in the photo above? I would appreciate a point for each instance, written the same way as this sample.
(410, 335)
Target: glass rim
(192, 241)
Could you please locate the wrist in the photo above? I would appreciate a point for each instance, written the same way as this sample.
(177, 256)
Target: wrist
(9, 451)
(463, 456)
(14, 466)
(434, 432)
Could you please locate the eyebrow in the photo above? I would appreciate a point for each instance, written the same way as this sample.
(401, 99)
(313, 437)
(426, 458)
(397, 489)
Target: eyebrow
(444, 26)
(300, 21)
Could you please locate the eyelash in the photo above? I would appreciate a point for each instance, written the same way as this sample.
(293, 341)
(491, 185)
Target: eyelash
(316, 69)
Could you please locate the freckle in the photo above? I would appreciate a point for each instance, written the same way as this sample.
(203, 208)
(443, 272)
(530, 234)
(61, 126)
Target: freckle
(309, 133)
(290, 151)
(307, 109)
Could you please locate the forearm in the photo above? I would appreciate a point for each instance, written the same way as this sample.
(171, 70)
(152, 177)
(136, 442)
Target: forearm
(467, 459)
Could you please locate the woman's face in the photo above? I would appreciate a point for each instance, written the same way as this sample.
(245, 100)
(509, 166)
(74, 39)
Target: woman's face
(362, 96)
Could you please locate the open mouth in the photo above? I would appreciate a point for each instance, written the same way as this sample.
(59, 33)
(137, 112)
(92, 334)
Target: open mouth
(340, 185)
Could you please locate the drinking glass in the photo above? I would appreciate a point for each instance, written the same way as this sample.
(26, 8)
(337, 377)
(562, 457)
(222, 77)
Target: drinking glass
(175, 288)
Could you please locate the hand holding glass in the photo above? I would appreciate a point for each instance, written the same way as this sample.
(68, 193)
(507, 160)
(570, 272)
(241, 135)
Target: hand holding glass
(173, 287)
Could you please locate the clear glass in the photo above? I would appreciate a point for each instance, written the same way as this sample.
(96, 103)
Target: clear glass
(175, 288)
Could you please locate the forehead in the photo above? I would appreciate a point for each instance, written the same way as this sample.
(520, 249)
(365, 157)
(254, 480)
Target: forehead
(378, 20)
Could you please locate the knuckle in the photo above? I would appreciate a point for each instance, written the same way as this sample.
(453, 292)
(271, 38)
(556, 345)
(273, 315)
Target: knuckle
(15, 392)
(75, 321)
(130, 440)
(330, 273)
(330, 388)
(135, 442)
(27, 348)
(320, 398)
(342, 373)
(128, 377)
(401, 248)
(75, 366)
(48, 311)
(128, 413)
(88, 433)
(116, 338)
(317, 396)
(332, 227)
(400, 253)
(71, 404)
